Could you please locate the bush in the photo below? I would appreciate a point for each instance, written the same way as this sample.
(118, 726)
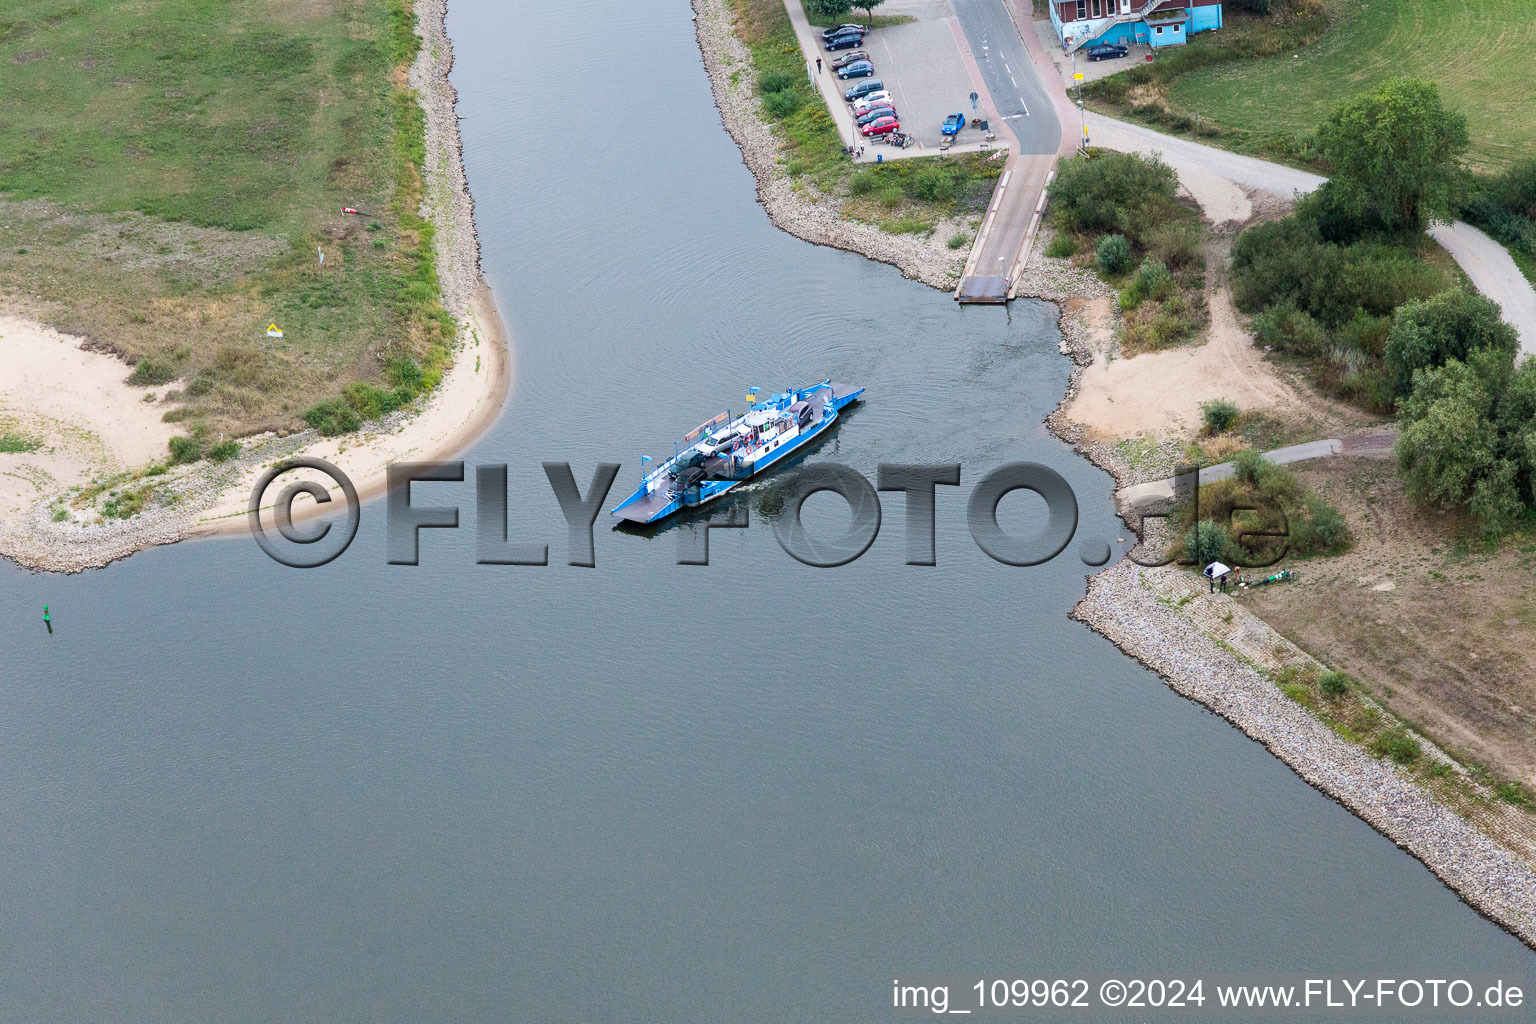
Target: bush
(152, 370)
(1397, 745)
(370, 401)
(1317, 528)
(776, 81)
(1333, 684)
(783, 103)
(1289, 260)
(1175, 243)
(200, 385)
(1365, 334)
(934, 184)
(331, 417)
(224, 451)
(1152, 281)
(1061, 247)
(1219, 415)
(1113, 192)
(960, 239)
(1248, 465)
(1114, 255)
(1206, 542)
(185, 449)
(1289, 329)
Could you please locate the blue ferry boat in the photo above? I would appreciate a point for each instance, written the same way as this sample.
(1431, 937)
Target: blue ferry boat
(725, 451)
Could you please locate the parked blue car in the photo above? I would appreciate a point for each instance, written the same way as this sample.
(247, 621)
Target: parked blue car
(952, 124)
(858, 69)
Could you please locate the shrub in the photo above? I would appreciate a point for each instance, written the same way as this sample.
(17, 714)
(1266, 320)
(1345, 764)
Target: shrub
(1152, 281)
(332, 416)
(1114, 255)
(152, 370)
(1290, 260)
(1113, 192)
(1317, 528)
(783, 103)
(960, 239)
(1175, 243)
(1397, 745)
(185, 449)
(1365, 334)
(1289, 329)
(1248, 465)
(1333, 684)
(776, 81)
(403, 371)
(1219, 415)
(1205, 542)
(224, 451)
(369, 401)
(200, 385)
(1061, 247)
(934, 184)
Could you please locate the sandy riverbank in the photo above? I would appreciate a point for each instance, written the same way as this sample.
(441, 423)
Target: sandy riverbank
(93, 426)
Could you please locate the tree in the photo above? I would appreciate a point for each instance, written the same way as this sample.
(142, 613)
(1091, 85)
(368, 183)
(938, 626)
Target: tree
(1393, 152)
(1451, 325)
(1467, 436)
(868, 7)
(827, 12)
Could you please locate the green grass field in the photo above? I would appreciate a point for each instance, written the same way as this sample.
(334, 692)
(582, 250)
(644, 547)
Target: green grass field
(1479, 53)
(171, 167)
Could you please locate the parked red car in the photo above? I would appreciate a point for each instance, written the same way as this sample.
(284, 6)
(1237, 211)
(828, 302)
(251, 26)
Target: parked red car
(849, 58)
(882, 125)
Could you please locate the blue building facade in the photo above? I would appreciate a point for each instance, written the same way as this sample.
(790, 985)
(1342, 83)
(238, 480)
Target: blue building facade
(1153, 23)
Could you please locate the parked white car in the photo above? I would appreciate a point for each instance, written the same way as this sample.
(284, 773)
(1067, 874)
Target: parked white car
(874, 99)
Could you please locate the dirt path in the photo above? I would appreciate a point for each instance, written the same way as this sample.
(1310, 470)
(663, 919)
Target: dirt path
(1160, 392)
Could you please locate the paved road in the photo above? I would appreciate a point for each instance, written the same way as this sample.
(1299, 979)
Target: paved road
(1009, 74)
(1487, 263)
(1011, 80)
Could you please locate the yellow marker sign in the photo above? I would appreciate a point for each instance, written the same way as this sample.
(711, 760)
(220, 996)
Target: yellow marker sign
(1077, 76)
(273, 332)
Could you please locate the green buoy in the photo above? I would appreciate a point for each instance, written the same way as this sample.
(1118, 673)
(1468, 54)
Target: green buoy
(45, 614)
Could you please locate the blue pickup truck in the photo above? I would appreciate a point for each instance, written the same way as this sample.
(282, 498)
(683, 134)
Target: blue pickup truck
(952, 124)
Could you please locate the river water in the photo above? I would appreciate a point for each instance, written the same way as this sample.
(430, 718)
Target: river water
(643, 791)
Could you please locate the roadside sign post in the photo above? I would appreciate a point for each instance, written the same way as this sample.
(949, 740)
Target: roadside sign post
(1082, 118)
(974, 98)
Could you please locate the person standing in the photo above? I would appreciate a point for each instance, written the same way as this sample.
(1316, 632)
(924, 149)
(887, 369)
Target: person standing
(818, 65)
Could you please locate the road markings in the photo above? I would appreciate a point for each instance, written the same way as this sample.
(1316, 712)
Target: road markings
(1015, 81)
(1024, 105)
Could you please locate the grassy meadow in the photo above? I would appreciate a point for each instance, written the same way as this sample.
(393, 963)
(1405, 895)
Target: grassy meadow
(1477, 52)
(170, 170)
(1264, 84)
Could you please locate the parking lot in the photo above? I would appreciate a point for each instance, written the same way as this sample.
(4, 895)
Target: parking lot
(923, 65)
